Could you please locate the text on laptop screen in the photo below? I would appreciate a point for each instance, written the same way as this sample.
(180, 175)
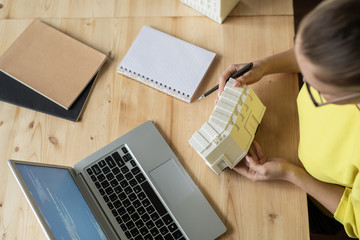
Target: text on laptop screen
(60, 202)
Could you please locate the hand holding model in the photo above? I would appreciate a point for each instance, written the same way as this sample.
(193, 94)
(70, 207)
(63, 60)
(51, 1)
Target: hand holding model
(257, 167)
(252, 76)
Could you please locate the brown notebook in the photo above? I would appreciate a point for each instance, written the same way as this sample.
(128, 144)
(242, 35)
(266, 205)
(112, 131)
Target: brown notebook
(51, 63)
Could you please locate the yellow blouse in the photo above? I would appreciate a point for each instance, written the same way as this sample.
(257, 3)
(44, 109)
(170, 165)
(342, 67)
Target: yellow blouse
(330, 151)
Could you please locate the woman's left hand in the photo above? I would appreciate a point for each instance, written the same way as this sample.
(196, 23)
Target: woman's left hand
(257, 167)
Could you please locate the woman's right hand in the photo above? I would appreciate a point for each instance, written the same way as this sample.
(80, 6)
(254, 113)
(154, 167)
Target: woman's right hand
(250, 77)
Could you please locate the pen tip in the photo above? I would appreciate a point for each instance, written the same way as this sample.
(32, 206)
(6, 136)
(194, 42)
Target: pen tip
(201, 97)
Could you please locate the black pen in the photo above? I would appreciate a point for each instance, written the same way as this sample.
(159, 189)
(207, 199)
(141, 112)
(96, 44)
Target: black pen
(234, 75)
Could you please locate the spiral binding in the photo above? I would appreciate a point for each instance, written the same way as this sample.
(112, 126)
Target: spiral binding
(154, 84)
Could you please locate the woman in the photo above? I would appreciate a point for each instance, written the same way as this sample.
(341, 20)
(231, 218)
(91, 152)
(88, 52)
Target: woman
(327, 53)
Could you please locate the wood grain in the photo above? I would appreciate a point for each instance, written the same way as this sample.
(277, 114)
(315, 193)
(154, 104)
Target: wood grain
(274, 210)
(15, 9)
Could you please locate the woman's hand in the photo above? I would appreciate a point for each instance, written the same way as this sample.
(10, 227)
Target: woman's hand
(257, 167)
(252, 76)
(284, 62)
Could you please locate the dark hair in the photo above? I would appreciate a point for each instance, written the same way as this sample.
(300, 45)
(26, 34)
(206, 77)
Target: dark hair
(330, 39)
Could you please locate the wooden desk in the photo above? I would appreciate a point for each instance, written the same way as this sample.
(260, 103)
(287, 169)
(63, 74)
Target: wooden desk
(18, 9)
(274, 210)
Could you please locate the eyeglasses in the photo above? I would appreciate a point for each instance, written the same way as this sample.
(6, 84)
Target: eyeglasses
(340, 100)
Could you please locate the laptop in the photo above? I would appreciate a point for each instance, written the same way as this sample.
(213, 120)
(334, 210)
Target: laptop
(133, 188)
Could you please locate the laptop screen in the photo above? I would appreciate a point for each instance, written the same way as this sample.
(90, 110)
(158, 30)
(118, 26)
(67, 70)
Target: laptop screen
(60, 202)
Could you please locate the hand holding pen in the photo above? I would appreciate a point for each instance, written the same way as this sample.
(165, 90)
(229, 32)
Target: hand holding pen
(225, 75)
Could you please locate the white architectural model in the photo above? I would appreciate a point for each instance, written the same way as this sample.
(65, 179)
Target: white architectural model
(226, 138)
(217, 10)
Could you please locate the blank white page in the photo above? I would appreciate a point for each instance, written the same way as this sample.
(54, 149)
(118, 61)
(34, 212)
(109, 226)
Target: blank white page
(167, 63)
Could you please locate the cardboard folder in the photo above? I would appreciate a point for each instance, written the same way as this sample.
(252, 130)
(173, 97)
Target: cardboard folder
(51, 63)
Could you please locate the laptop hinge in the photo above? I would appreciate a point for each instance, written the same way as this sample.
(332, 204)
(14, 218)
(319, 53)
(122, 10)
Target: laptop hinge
(94, 205)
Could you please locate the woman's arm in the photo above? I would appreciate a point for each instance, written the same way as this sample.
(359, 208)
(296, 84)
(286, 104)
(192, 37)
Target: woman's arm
(279, 63)
(257, 167)
(327, 194)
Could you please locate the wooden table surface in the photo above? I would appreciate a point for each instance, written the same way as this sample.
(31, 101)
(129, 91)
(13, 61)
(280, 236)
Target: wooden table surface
(16, 9)
(272, 210)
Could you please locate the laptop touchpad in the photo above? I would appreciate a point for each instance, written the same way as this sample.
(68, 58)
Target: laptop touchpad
(171, 182)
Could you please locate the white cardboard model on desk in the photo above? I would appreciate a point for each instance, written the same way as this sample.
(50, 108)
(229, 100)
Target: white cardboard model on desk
(226, 138)
(217, 10)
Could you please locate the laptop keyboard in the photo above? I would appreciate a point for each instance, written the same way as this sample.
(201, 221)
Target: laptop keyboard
(131, 199)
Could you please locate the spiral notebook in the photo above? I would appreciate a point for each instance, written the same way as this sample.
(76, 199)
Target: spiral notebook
(166, 63)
